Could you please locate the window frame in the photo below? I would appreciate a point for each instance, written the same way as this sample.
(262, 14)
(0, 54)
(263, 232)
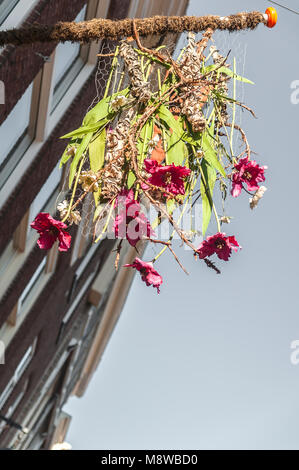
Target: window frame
(12, 408)
(7, 10)
(18, 373)
(59, 89)
(25, 140)
(31, 286)
(17, 15)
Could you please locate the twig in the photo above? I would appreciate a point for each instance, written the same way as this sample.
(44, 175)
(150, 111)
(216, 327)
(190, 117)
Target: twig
(177, 260)
(118, 250)
(153, 240)
(244, 138)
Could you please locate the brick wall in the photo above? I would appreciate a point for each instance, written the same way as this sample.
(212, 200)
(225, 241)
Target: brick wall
(18, 67)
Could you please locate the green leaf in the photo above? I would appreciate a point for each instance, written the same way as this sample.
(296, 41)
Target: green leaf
(97, 151)
(81, 148)
(131, 179)
(83, 130)
(97, 117)
(146, 135)
(210, 155)
(207, 184)
(101, 109)
(65, 156)
(231, 74)
(176, 150)
(167, 118)
(228, 72)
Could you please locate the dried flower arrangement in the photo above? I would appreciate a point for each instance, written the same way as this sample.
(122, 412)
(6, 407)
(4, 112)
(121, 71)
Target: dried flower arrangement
(166, 146)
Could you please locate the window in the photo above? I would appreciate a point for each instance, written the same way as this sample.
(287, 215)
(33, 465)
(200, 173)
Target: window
(48, 192)
(20, 369)
(101, 284)
(14, 135)
(86, 325)
(6, 6)
(25, 237)
(86, 260)
(74, 305)
(14, 405)
(69, 60)
(31, 285)
(13, 12)
(30, 292)
(77, 299)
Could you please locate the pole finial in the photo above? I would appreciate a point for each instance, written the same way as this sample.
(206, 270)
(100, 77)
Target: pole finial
(271, 15)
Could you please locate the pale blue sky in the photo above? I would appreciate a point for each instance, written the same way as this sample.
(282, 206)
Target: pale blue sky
(206, 364)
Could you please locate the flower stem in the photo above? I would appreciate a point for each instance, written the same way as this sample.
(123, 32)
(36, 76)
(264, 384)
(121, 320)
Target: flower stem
(106, 224)
(74, 190)
(207, 190)
(234, 107)
(113, 66)
(178, 221)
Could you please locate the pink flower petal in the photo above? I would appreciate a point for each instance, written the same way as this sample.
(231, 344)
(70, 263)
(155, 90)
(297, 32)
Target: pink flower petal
(46, 240)
(50, 230)
(64, 240)
(219, 244)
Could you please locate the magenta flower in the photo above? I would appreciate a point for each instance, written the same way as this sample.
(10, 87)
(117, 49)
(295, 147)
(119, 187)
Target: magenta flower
(126, 198)
(219, 244)
(49, 231)
(169, 177)
(130, 223)
(249, 172)
(148, 274)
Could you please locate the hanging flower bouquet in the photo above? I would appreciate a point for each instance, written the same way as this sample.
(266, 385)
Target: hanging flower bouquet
(165, 146)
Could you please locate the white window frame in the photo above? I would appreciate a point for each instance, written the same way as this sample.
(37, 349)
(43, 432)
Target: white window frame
(78, 299)
(19, 313)
(101, 283)
(31, 286)
(86, 260)
(14, 405)
(20, 369)
(74, 68)
(26, 139)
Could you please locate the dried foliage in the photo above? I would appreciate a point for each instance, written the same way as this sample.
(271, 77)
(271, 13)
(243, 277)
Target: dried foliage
(164, 142)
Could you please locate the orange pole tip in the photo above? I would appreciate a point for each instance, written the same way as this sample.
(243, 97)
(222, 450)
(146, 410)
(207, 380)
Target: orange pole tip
(271, 14)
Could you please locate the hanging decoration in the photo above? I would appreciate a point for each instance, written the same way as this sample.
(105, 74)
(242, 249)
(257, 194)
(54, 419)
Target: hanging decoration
(161, 138)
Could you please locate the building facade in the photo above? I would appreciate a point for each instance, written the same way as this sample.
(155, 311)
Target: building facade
(57, 310)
